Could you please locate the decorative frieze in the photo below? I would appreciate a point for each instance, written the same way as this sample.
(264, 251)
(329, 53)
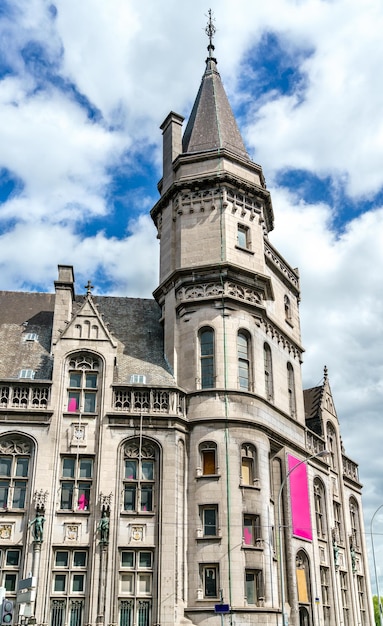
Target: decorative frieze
(216, 289)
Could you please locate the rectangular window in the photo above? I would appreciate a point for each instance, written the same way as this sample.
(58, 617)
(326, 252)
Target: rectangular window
(208, 462)
(251, 529)
(247, 471)
(137, 585)
(254, 586)
(243, 236)
(75, 492)
(210, 581)
(209, 520)
(59, 583)
(207, 358)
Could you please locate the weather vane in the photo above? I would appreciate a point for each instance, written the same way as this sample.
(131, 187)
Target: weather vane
(210, 30)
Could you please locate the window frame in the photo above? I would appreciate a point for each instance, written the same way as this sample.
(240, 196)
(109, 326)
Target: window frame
(291, 389)
(243, 237)
(249, 466)
(244, 360)
(208, 452)
(258, 588)
(140, 481)
(83, 368)
(207, 357)
(134, 598)
(205, 568)
(78, 488)
(15, 486)
(204, 511)
(268, 371)
(251, 524)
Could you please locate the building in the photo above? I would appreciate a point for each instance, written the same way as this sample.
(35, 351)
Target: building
(159, 460)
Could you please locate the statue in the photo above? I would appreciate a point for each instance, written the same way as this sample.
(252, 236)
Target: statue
(38, 527)
(103, 527)
(336, 554)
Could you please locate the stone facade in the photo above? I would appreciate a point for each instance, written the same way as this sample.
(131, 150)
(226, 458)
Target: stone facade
(149, 448)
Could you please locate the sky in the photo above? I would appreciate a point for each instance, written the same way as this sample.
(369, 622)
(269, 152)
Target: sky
(84, 87)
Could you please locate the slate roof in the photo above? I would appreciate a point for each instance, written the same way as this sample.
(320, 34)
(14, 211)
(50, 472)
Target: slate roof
(313, 408)
(212, 124)
(133, 322)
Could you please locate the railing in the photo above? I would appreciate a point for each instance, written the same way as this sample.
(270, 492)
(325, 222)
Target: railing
(314, 444)
(350, 469)
(135, 401)
(24, 396)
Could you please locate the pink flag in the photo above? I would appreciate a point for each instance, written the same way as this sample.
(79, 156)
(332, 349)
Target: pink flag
(300, 502)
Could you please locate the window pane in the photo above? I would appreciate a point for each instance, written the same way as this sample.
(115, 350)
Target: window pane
(243, 374)
(210, 521)
(75, 379)
(126, 583)
(76, 613)
(130, 498)
(68, 468)
(130, 469)
(5, 466)
(91, 381)
(22, 467)
(208, 462)
(247, 471)
(59, 582)
(66, 496)
(210, 582)
(207, 358)
(242, 237)
(73, 401)
(248, 531)
(146, 498)
(127, 559)
(89, 402)
(79, 559)
(13, 557)
(145, 559)
(83, 496)
(147, 470)
(85, 469)
(78, 582)
(4, 486)
(144, 584)
(10, 582)
(143, 613)
(61, 559)
(250, 588)
(19, 494)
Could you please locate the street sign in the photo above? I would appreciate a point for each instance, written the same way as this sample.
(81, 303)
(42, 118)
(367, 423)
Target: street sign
(222, 608)
(27, 583)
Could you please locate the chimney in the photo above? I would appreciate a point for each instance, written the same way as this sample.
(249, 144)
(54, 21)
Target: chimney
(172, 146)
(65, 295)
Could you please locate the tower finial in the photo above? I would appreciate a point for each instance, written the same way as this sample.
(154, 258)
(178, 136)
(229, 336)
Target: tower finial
(210, 30)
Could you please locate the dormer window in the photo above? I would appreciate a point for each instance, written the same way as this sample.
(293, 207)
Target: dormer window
(27, 374)
(31, 337)
(137, 379)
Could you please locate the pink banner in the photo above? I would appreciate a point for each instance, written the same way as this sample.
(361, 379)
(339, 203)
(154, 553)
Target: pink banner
(300, 502)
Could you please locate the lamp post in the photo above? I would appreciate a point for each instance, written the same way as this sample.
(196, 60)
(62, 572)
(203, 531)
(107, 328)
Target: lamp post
(376, 575)
(281, 562)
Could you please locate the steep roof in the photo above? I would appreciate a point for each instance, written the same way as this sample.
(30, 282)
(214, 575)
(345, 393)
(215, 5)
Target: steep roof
(212, 123)
(133, 323)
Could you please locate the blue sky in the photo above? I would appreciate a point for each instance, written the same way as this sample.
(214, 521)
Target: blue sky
(84, 87)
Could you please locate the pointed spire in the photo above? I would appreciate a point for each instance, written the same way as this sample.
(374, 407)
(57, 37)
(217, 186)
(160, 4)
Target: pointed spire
(212, 125)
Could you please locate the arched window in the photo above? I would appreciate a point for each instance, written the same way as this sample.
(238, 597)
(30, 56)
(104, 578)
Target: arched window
(331, 445)
(291, 390)
(207, 364)
(139, 478)
(287, 309)
(243, 354)
(84, 372)
(320, 509)
(303, 588)
(208, 457)
(355, 524)
(268, 364)
(249, 469)
(15, 468)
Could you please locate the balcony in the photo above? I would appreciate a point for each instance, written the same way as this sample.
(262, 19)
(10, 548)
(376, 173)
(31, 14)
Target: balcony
(18, 398)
